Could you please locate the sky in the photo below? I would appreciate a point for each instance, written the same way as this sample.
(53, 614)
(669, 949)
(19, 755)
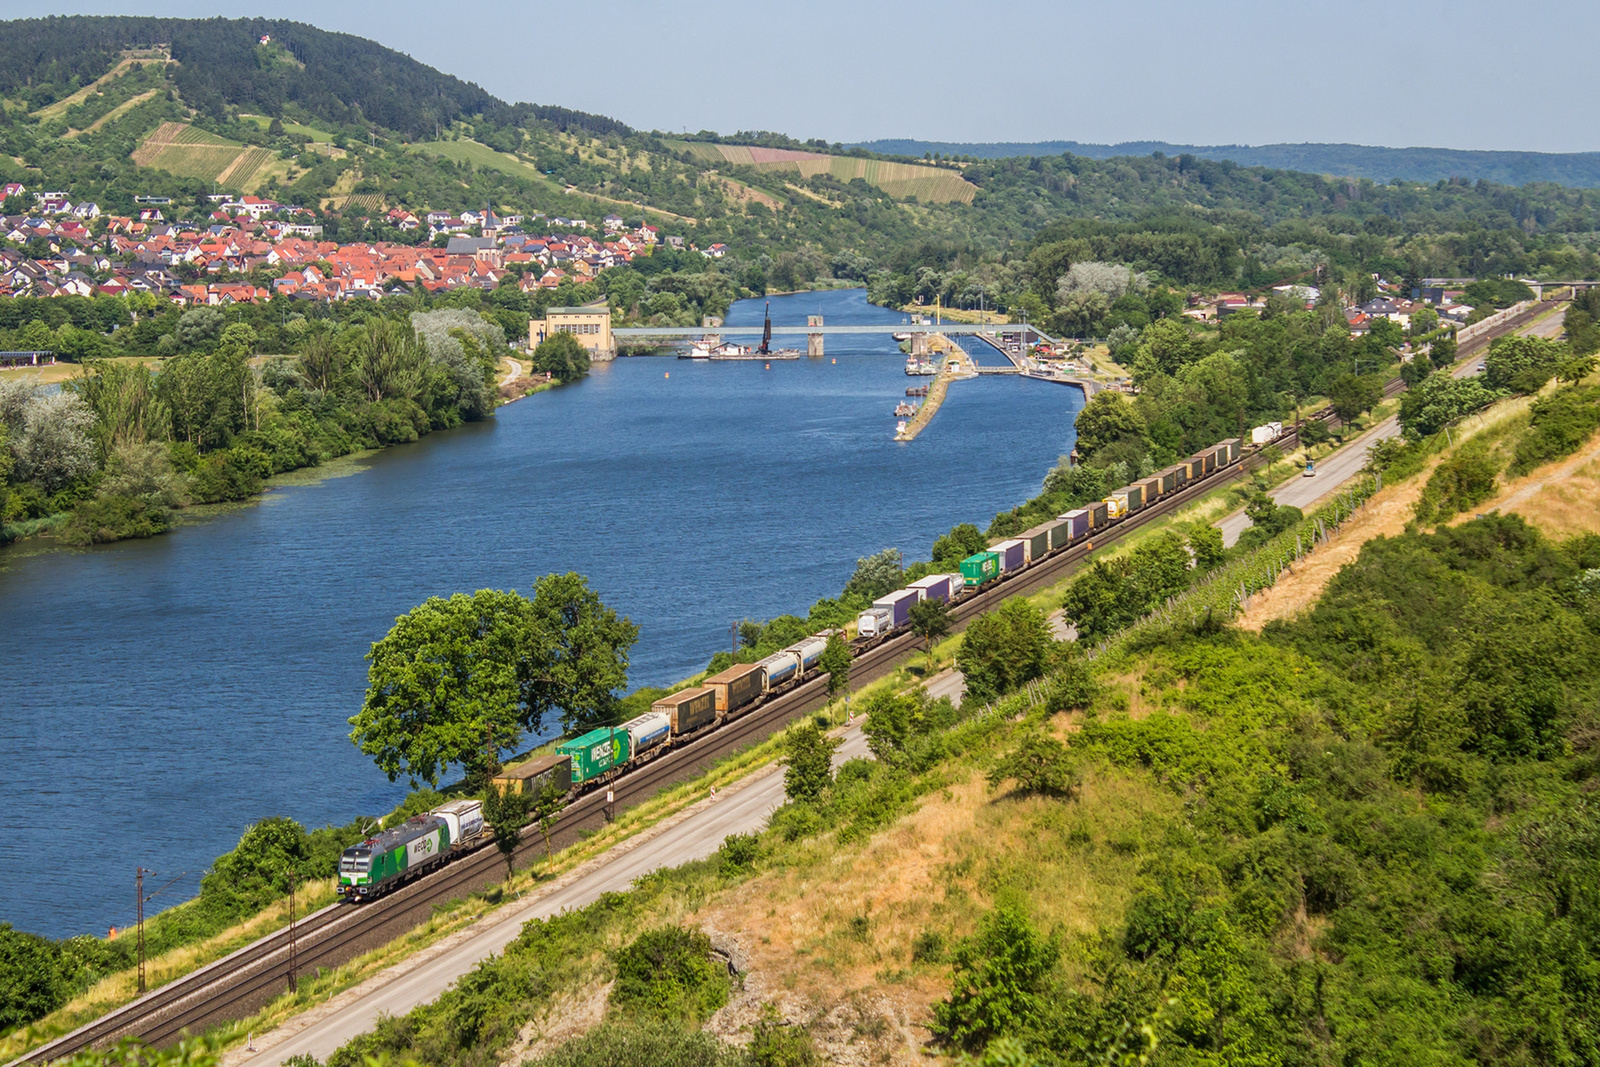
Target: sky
(1482, 74)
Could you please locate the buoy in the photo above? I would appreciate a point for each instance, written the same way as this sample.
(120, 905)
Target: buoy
(667, 375)
(835, 363)
(769, 366)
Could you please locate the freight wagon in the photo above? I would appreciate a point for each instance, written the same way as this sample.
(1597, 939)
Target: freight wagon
(386, 860)
(1013, 554)
(735, 688)
(596, 752)
(933, 587)
(1036, 542)
(534, 776)
(688, 709)
(888, 613)
(779, 669)
(1266, 433)
(648, 730)
(980, 567)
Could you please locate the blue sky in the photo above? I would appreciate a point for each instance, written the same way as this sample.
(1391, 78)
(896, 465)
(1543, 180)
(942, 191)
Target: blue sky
(1467, 74)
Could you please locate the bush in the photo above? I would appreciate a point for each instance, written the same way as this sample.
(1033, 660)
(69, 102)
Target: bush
(1462, 481)
(644, 1043)
(1039, 764)
(1560, 425)
(229, 474)
(1522, 364)
(667, 973)
(999, 976)
(114, 518)
(33, 978)
(1003, 649)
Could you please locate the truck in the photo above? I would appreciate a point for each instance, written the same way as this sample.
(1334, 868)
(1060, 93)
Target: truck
(393, 857)
(980, 567)
(596, 752)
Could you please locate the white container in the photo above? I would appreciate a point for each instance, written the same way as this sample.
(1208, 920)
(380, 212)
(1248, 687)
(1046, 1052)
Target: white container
(874, 621)
(1263, 434)
(649, 730)
(464, 817)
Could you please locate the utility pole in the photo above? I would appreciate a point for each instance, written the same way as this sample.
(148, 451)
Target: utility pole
(294, 986)
(733, 637)
(138, 892)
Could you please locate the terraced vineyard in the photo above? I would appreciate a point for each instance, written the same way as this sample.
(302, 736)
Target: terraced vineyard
(930, 184)
(187, 152)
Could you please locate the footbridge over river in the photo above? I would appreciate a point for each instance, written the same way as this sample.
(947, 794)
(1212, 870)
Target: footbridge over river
(1015, 333)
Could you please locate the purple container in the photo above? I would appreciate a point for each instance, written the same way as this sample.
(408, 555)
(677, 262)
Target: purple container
(1013, 554)
(899, 604)
(934, 587)
(1077, 522)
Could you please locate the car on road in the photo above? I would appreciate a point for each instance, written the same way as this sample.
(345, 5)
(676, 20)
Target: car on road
(1480, 368)
(1310, 471)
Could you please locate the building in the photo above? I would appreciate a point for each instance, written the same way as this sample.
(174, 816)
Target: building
(590, 324)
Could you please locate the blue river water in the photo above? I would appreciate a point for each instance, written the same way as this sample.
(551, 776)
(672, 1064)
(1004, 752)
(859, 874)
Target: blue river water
(158, 696)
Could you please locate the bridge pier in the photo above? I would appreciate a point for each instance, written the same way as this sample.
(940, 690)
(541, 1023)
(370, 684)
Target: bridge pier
(814, 340)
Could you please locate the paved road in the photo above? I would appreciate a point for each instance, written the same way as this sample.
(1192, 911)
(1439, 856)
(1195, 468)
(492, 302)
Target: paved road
(397, 992)
(1338, 468)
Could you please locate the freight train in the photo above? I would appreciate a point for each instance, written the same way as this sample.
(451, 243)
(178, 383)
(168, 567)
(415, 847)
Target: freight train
(582, 763)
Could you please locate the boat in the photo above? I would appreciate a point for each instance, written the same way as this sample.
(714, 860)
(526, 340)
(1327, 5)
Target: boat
(916, 390)
(904, 409)
(900, 428)
(920, 368)
(765, 350)
(901, 336)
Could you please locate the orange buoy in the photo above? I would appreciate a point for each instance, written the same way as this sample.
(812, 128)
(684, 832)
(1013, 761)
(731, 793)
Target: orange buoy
(835, 363)
(769, 366)
(667, 375)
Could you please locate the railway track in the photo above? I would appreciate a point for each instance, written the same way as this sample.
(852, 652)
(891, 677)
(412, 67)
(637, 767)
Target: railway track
(244, 981)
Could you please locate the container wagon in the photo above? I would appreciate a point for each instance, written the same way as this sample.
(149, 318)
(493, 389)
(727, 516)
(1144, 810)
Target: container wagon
(1012, 553)
(464, 818)
(596, 752)
(779, 669)
(648, 730)
(1234, 449)
(688, 709)
(1266, 433)
(980, 567)
(1075, 523)
(1169, 480)
(1036, 542)
(888, 612)
(1150, 489)
(534, 776)
(810, 651)
(933, 587)
(1116, 507)
(384, 861)
(735, 688)
(1099, 514)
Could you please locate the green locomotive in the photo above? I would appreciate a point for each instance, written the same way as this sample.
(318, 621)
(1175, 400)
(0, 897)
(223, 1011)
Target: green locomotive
(383, 862)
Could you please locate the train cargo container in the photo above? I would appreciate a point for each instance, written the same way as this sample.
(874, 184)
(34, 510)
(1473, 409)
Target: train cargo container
(874, 621)
(1099, 514)
(735, 687)
(1059, 533)
(1116, 506)
(980, 567)
(933, 587)
(1169, 480)
(1150, 489)
(1202, 463)
(1076, 522)
(536, 775)
(1036, 542)
(596, 752)
(689, 709)
(1184, 472)
(648, 730)
(1131, 497)
(1013, 554)
(394, 856)
(463, 817)
(1266, 433)
(899, 605)
(778, 669)
(958, 585)
(1235, 449)
(1221, 452)
(809, 650)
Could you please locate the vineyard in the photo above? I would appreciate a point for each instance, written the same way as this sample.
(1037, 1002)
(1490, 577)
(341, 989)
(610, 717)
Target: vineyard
(186, 152)
(931, 184)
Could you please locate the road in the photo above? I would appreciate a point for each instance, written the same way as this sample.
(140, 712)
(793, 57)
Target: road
(401, 988)
(1338, 468)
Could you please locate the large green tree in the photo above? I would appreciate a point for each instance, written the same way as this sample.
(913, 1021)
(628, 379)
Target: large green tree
(577, 659)
(1004, 648)
(446, 686)
(562, 356)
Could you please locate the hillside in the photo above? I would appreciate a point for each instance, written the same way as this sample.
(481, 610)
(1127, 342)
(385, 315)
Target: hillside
(1576, 169)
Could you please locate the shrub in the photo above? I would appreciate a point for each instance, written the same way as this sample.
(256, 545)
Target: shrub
(999, 975)
(1039, 764)
(667, 973)
(113, 518)
(1560, 424)
(1462, 481)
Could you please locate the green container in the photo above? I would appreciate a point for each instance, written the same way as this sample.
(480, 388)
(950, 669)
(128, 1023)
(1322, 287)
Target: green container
(596, 752)
(980, 567)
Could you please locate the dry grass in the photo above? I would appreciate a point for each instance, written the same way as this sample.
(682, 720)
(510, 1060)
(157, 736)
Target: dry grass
(67, 103)
(929, 184)
(115, 113)
(1562, 498)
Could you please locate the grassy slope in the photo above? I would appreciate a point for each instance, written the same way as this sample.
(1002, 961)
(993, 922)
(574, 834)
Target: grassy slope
(930, 184)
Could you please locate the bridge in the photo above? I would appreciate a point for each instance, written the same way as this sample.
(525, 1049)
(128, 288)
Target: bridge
(1034, 334)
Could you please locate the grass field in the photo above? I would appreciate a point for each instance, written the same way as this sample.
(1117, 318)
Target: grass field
(295, 128)
(929, 184)
(481, 155)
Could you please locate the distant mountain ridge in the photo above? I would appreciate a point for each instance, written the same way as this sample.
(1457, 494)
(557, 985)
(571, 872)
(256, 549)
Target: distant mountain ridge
(1576, 169)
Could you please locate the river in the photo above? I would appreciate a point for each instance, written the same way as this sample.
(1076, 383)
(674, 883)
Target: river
(158, 696)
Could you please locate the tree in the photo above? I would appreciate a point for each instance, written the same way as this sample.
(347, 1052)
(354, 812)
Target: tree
(1442, 352)
(877, 574)
(999, 976)
(577, 658)
(1106, 418)
(1353, 396)
(1205, 543)
(389, 363)
(1004, 648)
(1439, 401)
(445, 686)
(810, 769)
(33, 979)
(930, 620)
(547, 806)
(836, 660)
(562, 356)
(963, 540)
(1522, 364)
(53, 445)
(506, 811)
(1039, 764)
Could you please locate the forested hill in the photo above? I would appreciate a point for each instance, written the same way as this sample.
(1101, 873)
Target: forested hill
(336, 77)
(1577, 169)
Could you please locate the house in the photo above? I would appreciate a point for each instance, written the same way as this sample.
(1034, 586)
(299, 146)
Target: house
(590, 324)
(612, 223)
(716, 251)
(675, 242)
(10, 189)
